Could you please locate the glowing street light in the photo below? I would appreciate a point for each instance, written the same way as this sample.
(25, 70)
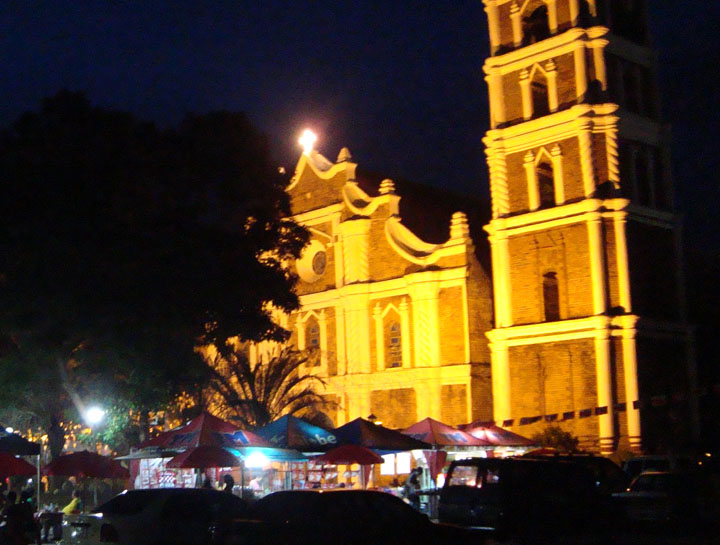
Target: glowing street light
(257, 460)
(307, 141)
(94, 415)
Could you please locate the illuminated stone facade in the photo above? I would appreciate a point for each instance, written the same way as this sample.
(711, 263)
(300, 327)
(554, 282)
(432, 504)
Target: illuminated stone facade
(585, 316)
(589, 306)
(398, 323)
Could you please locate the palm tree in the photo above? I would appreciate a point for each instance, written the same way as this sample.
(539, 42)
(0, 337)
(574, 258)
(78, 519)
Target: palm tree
(253, 395)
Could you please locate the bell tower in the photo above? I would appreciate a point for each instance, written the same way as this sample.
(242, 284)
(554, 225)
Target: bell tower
(589, 304)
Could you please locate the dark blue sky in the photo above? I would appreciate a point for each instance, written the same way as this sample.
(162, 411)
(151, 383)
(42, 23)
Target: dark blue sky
(398, 82)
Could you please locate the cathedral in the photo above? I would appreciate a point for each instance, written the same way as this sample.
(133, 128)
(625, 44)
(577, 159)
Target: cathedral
(561, 301)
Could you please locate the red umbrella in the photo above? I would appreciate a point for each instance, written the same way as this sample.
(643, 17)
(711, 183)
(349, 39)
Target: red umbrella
(441, 435)
(349, 454)
(204, 456)
(205, 430)
(10, 465)
(497, 436)
(86, 464)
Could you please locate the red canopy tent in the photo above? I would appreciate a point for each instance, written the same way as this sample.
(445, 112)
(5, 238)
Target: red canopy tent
(351, 454)
(204, 456)
(86, 464)
(10, 465)
(442, 435)
(495, 435)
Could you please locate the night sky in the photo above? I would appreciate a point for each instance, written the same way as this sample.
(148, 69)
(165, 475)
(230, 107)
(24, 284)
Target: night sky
(398, 82)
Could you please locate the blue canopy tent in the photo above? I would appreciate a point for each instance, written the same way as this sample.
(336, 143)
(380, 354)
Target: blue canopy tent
(378, 438)
(290, 432)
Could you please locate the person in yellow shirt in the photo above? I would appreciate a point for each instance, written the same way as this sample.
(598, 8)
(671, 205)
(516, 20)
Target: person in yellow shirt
(75, 505)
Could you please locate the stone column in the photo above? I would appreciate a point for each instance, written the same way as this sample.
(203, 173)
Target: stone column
(322, 324)
(551, 75)
(356, 246)
(532, 183)
(623, 264)
(587, 161)
(597, 264)
(574, 12)
(581, 80)
(604, 391)
(500, 369)
(425, 296)
(340, 339)
(379, 337)
(357, 323)
(526, 94)
(501, 279)
(405, 339)
(516, 24)
(493, 26)
(552, 15)
(558, 176)
(632, 391)
(598, 47)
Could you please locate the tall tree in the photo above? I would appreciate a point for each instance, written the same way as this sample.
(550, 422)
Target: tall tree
(123, 246)
(255, 394)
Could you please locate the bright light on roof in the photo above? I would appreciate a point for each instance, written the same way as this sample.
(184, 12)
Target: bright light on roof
(307, 141)
(256, 459)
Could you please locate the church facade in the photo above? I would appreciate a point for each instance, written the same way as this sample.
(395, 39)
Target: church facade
(397, 324)
(580, 317)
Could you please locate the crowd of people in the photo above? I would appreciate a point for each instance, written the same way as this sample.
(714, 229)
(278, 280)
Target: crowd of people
(19, 523)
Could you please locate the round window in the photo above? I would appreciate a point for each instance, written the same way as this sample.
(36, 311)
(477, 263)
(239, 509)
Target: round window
(319, 261)
(312, 264)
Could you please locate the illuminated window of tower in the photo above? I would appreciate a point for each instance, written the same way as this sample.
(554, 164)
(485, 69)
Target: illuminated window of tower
(539, 89)
(546, 185)
(312, 342)
(393, 344)
(551, 297)
(535, 26)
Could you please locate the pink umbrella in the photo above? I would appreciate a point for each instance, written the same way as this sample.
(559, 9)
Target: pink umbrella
(349, 454)
(441, 435)
(10, 465)
(204, 456)
(495, 435)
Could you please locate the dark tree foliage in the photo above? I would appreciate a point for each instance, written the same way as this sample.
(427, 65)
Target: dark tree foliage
(555, 437)
(123, 246)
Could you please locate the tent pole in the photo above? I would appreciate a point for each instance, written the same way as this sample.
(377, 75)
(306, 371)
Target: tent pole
(38, 486)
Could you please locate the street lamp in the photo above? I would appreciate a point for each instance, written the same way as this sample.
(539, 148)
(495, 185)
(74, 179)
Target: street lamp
(94, 415)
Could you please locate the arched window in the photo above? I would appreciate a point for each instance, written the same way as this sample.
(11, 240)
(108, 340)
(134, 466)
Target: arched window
(393, 344)
(536, 26)
(546, 185)
(551, 297)
(540, 101)
(312, 342)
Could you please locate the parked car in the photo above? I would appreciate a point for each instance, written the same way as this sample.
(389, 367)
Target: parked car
(658, 462)
(342, 517)
(521, 497)
(609, 477)
(177, 516)
(681, 498)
